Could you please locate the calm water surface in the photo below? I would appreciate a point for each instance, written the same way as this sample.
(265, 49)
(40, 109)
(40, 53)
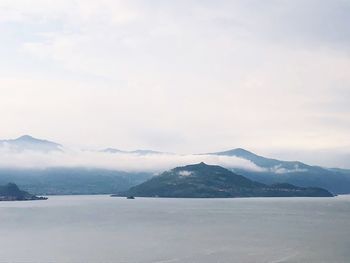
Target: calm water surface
(74, 229)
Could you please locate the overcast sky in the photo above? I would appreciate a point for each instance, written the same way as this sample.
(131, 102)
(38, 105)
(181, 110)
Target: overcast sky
(179, 76)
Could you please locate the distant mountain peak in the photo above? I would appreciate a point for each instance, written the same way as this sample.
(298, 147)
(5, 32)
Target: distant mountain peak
(236, 152)
(27, 142)
(29, 138)
(139, 152)
(241, 150)
(25, 138)
(111, 150)
(269, 163)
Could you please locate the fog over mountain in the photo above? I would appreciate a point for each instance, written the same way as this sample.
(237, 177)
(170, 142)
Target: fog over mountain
(180, 76)
(125, 161)
(29, 155)
(29, 152)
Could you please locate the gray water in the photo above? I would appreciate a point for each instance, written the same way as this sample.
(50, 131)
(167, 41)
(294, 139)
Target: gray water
(74, 229)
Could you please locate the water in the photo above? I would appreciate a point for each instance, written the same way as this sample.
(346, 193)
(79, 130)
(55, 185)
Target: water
(74, 229)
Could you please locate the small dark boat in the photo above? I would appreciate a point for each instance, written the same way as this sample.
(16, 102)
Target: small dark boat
(130, 197)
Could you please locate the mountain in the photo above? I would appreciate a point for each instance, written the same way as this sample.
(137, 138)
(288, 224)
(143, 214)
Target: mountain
(272, 171)
(29, 143)
(11, 192)
(293, 172)
(67, 181)
(275, 165)
(139, 152)
(202, 181)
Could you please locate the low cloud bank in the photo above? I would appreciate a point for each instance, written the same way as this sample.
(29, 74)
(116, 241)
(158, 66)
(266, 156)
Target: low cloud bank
(278, 169)
(117, 161)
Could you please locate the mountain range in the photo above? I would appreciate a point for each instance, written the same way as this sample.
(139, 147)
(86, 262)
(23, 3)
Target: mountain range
(88, 180)
(212, 181)
(140, 152)
(293, 172)
(72, 181)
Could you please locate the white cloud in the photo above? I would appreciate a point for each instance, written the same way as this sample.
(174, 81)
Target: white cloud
(117, 161)
(185, 173)
(278, 169)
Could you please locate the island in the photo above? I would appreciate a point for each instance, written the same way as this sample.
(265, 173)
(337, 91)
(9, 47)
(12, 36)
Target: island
(11, 192)
(212, 181)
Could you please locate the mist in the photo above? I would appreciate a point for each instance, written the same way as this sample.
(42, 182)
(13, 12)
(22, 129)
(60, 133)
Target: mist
(129, 162)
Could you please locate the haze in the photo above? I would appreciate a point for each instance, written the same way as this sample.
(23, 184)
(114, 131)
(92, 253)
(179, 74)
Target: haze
(180, 76)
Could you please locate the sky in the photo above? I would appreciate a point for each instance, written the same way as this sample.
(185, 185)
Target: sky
(180, 76)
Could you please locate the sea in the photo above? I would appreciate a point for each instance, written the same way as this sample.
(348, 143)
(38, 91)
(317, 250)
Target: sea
(100, 228)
